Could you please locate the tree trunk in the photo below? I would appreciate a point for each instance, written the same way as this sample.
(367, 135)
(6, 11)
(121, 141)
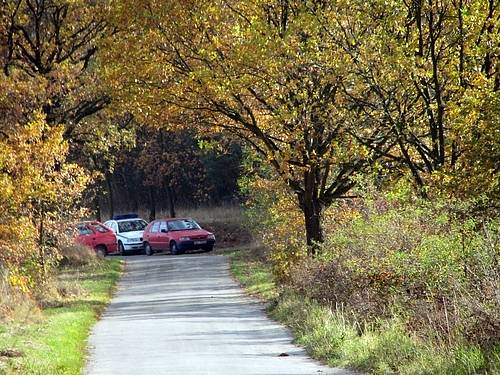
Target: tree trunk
(41, 241)
(171, 205)
(312, 208)
(313, 214)
(152, 204)
(132, 203)
(97, 206)
(109, 189)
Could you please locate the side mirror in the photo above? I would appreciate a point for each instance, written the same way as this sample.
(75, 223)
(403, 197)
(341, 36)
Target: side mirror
(164, 230)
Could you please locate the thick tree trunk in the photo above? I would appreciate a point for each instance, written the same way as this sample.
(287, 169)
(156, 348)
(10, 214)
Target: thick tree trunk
(312, 208)
(171, 205)
(313, 214)
(152, 204)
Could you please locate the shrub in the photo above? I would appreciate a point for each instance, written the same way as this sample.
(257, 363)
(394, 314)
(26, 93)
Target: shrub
(436, 271)
(14, 303)
(273, 216)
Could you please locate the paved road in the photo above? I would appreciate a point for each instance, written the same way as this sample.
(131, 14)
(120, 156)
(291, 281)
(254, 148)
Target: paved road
(184, 315)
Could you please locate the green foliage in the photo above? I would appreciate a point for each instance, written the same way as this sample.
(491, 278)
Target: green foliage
(425, 263)
(249, 269)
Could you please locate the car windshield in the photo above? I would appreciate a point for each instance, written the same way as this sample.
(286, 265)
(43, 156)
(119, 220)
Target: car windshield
(131, 225)
(183, 224)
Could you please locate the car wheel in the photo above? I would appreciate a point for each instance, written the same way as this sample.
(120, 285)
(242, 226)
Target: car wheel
(121, 249)
(101, 251)
(174, 250)
(148, 250)
(208, 248)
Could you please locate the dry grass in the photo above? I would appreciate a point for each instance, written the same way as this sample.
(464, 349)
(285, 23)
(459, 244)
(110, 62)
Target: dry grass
(77, 255)
(220, 214)
(49, 291)
(14, 304)
(203, 214)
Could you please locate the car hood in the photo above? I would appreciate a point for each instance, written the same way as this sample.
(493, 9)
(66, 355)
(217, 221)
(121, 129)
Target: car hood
(134, 234)
(191, 233)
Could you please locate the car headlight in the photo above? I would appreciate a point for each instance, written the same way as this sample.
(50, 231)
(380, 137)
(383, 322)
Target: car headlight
(211, 236)
(185, 239)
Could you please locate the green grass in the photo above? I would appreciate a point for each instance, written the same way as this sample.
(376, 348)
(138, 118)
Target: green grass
(55, 343)
(383, 347)
(252, 273)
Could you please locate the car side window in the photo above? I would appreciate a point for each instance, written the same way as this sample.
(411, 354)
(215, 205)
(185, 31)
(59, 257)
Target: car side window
(114, 227)
(101, 229)
(156, 227)
(84, 230)
(163, 225)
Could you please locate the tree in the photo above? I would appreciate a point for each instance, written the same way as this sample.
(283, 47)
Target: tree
(437, 103)
(171, 160)
(38, 186)
(260, 70)
(99, 143)
(48, 47)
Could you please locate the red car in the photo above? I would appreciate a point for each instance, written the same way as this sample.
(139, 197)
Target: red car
(97, 236)
(176, 235)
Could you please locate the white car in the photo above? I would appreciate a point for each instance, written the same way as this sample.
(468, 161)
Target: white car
(128, 230)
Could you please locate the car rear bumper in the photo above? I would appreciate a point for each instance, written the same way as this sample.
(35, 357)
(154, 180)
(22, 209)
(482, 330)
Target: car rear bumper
(194, 245)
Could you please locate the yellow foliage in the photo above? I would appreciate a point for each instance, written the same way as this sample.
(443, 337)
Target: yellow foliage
(37, 185)
(280, 225)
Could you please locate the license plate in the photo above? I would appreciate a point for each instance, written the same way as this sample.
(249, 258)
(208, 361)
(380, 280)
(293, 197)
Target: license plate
(200, 242)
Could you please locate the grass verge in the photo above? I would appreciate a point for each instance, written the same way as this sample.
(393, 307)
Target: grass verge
(55, 343)
(252, 273)
(383, 347)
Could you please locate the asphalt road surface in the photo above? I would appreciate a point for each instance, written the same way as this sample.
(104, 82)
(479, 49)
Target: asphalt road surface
(184, 315)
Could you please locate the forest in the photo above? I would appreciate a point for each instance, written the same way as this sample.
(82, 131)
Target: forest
(360, 139)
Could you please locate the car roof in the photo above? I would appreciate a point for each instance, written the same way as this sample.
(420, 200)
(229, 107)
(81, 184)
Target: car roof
(91, 222)
(173, 218)
(122, 220)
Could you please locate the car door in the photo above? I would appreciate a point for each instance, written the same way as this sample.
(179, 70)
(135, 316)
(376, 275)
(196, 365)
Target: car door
(163, 238)
(153, 236)
(94, 236)
(86, 235)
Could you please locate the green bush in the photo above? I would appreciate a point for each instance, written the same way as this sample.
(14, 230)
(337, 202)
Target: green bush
(437, 271)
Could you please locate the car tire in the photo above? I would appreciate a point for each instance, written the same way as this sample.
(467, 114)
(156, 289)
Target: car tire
(121, 249)
(148, 250)
(101, 251)
(209, 248)
(174, 250)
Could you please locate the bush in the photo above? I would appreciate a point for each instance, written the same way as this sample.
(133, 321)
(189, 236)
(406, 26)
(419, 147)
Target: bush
(437, 272)
(14, 303)
(274, 218)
